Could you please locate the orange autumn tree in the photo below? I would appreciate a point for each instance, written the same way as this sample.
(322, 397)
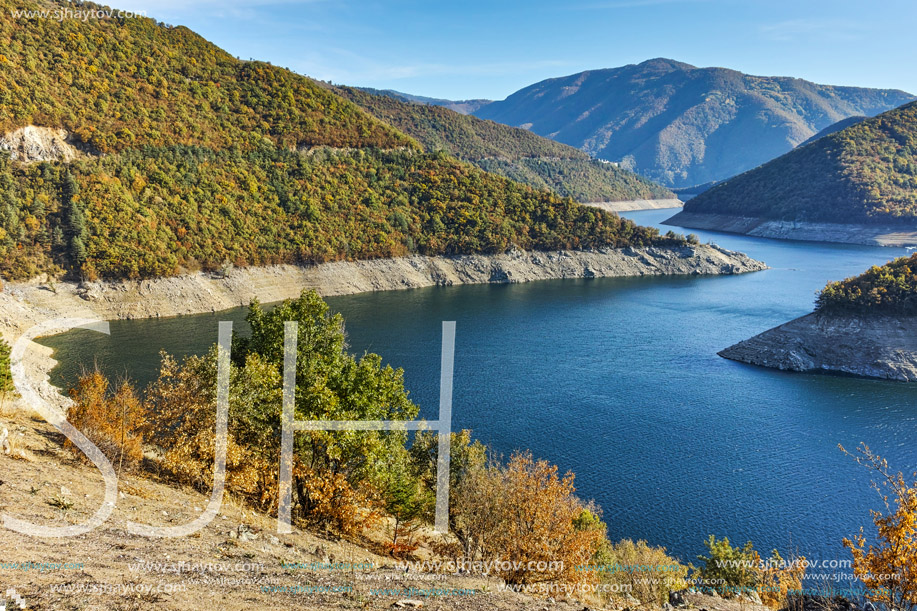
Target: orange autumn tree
(778, 578)
(111, 420)
(538, 517)
(888, 567)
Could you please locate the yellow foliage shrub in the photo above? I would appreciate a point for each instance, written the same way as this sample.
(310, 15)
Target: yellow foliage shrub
(111, 421)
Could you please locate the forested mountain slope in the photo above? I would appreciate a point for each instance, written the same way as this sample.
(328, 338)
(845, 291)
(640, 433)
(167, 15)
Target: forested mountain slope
(463, 107)
(835, 127)
(194, 159)
(122, 83)
(512, 152)
(866, 173)
(680, 125)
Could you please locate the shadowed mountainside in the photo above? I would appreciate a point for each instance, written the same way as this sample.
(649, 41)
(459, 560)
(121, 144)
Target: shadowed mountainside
(864, 174)
(511, 152)
(680, 125)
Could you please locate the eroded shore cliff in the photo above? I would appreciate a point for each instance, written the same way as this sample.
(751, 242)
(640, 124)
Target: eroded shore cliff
(882, 347)
(25, 303)
(872, 235)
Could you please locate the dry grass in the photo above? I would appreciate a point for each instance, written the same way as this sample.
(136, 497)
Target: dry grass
(13, 445)
(8, 409)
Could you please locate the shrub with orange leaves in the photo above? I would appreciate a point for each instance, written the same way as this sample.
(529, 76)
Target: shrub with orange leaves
(523, 514)
(888, 567)
(182, 423)
(778, 578)
(112, 421)
(329, 501)
(538, 511)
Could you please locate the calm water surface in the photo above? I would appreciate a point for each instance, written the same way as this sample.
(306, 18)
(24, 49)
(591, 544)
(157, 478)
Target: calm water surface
(618, 381)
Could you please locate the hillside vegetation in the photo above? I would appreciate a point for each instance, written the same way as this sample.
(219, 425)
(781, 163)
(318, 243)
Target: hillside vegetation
(512, 152)
(886, 289)
(122, 83)
(161, 211)
(866, 173)
(463, 107)
(680, 125)
(835, 127)
(209, 161)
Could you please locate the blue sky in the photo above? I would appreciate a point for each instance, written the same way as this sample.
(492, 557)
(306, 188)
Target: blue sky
(489, 49)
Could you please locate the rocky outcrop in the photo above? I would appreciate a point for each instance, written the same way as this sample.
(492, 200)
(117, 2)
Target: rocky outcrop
(870, 346)
(31, 143)
(204, 292)
(873, 235)
(636, 204)
(25, 304)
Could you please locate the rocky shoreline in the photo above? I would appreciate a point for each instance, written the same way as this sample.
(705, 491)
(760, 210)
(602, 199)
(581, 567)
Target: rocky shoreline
(636, 204)
(25, 304)
(872, 235)
(882, 347)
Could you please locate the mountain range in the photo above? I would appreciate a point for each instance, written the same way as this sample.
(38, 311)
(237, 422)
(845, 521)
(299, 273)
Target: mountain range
(511, 152)
(680, 125)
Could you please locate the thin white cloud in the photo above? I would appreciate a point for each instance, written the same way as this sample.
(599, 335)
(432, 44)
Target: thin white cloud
(814, 29)
(403, 72)
(344, 66)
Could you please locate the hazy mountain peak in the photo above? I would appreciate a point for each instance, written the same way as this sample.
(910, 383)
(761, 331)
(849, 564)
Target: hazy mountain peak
(664, 63)
(681, 125)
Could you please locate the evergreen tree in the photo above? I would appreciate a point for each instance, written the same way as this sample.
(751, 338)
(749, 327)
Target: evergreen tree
(78, 251)
(74, 219)
(6, 377)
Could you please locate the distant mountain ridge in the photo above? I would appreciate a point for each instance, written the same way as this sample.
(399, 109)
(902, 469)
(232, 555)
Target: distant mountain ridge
(835, 127)
(511, 152)
(680, 125)
(463, 107)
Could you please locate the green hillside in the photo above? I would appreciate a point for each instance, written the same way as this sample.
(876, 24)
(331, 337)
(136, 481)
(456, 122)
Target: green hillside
(463, 107)
(161, 211)
(208, 161)
(835, 127)
(119, 84)
(887, 289)
(512, 152)
(866, 173)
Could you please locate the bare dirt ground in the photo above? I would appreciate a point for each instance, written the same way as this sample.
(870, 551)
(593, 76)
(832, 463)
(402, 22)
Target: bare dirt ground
(234, 563)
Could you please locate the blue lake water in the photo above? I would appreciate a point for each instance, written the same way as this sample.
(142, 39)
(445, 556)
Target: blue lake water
(618, 381)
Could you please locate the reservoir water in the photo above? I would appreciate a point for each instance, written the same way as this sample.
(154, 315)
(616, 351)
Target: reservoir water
(618, 381)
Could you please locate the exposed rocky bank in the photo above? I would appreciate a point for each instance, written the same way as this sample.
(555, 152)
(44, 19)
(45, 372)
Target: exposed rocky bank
(875, 346)
(846, 233)
(30, 144)
(25, 303)
(636, 204)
